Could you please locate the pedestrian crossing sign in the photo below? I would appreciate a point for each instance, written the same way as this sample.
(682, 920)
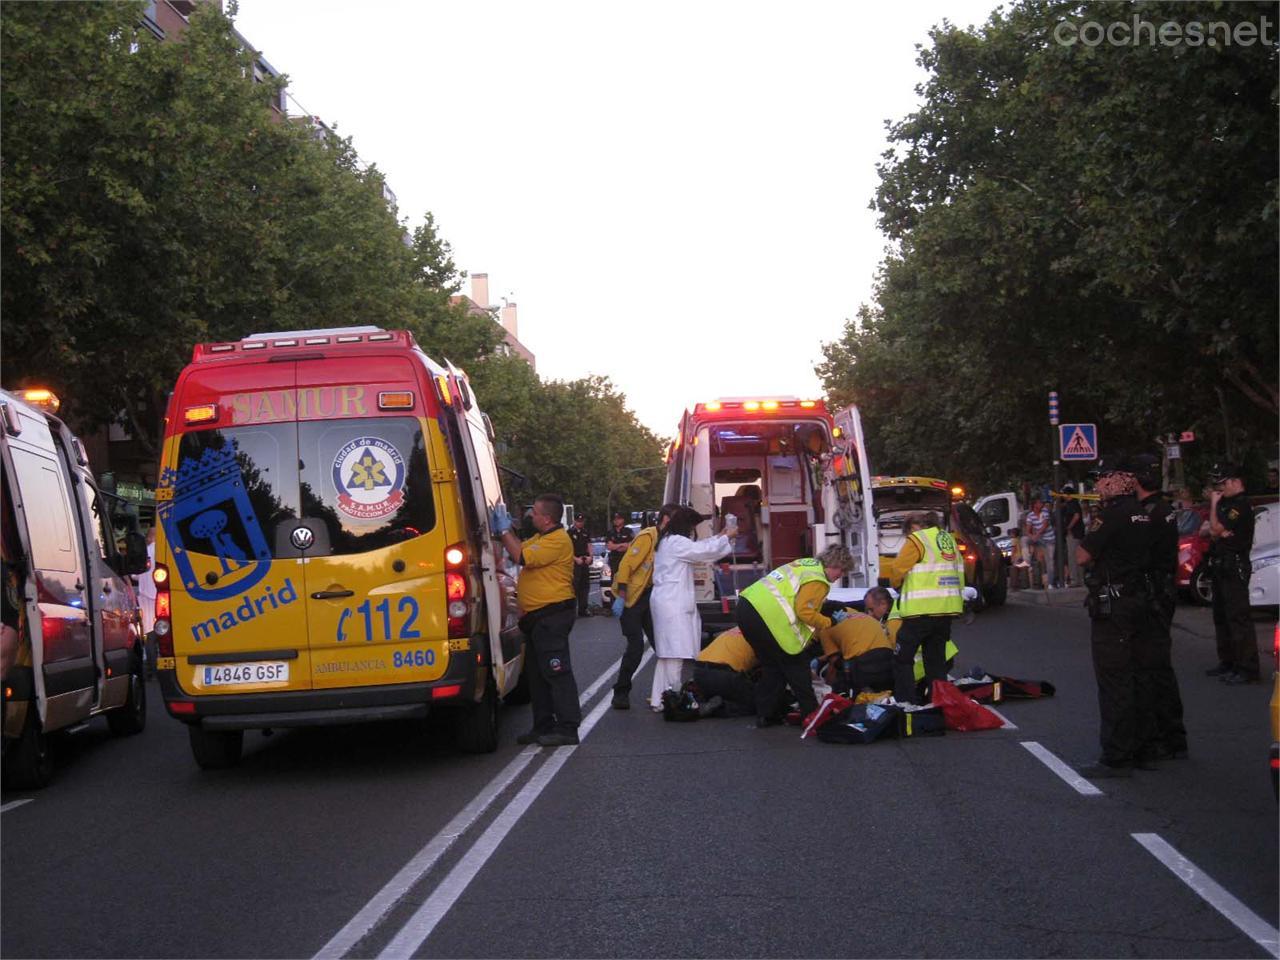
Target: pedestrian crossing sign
(1078, 441)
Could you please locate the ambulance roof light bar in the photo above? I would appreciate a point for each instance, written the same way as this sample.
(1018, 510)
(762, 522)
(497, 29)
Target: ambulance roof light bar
(757, 404)
(325, 332)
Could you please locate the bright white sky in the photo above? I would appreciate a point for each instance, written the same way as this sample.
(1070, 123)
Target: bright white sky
(675, 194)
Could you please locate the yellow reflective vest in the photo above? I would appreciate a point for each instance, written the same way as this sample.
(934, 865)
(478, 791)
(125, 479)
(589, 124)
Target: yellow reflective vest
(774, 598)
(934, 584)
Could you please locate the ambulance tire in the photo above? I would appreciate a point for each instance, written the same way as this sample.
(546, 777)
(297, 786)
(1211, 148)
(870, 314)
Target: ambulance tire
(475, 726)
(28, 760)
(131, 718)
(215, 749)
(999, 591)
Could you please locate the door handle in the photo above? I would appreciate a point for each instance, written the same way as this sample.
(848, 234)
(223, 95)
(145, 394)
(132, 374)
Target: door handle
(332, 594)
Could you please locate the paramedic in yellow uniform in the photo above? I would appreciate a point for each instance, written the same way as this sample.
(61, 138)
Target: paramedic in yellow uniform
(547, 599)
(860, 645)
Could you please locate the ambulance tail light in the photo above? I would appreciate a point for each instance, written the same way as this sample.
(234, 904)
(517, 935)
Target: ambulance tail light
(444, 693)
(164, 625)
(442, 389)
(457, 593)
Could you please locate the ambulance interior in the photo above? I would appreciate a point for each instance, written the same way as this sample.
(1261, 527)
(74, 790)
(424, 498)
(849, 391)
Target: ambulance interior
(766, 479)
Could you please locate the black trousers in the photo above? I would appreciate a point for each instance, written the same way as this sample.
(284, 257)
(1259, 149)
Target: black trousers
(928, 634)
(582, 587)
(1117, 644)
(1160, 702)
(778, 669)
(552, 688)
(1232, 619)
(636, 621)
(871, 671)
(736, 689)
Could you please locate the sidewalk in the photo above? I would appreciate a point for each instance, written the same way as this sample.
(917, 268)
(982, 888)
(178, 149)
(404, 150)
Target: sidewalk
(1061, 597)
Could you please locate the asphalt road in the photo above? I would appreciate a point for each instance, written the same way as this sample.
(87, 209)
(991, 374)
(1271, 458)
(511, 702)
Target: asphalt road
(655, 839)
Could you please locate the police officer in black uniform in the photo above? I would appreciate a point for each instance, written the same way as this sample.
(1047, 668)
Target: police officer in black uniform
(581, 561)
(1231, 539)
(1160, 703)
(1116, 552)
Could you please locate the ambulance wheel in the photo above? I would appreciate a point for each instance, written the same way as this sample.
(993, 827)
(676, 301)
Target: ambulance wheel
(215, 749)
(1000, 589)
(476, 724)
(132, 717)
(28, 760)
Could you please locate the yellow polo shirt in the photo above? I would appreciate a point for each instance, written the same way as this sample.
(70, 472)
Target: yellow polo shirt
(730, 648)
(859, 634)
(547, 574)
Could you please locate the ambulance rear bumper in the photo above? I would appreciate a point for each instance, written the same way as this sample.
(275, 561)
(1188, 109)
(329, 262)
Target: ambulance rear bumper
(316, 708)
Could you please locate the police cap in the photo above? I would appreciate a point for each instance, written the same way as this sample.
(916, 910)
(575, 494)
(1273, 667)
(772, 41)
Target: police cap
(1224, 470)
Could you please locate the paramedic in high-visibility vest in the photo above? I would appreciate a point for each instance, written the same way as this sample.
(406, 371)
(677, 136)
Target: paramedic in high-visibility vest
(779, 614)
(631, 584)
(929, 576)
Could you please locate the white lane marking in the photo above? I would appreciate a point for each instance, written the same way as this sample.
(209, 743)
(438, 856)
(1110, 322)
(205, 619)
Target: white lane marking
(1077, 783)
(424, 920)
(15, 803)
(1252, 925)
(1008, 724)
(371, 914)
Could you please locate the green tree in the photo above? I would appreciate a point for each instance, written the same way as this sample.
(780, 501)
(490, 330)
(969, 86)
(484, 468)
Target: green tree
(1100, 220)
(151, 202)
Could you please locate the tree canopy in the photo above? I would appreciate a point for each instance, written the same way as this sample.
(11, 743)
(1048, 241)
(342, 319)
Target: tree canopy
(1095, 219)
(151, 201)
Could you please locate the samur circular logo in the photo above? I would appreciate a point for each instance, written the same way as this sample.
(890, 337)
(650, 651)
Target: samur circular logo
(368, 474)
(946, 546)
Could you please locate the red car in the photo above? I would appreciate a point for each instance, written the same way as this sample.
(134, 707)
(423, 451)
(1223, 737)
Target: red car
(1192, 577)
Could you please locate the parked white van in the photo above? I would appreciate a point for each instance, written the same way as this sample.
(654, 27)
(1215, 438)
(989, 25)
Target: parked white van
(72, 634)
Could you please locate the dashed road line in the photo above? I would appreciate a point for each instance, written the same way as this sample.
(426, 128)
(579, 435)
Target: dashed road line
(1252, 925)
(385, 900)
(419, 927)
(1077, 783)
(14, 803)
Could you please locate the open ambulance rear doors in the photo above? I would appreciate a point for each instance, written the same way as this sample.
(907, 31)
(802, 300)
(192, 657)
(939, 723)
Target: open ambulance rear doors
(476, 440)
(846, 502)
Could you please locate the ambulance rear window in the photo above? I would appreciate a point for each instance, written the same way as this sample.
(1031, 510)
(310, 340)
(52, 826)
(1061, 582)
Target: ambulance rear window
(367, 479)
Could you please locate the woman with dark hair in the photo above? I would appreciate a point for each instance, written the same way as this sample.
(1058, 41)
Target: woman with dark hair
(677, 628)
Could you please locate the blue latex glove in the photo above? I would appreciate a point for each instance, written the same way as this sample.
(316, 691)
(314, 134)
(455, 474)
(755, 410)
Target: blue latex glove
(840, 616)
(618, 606)
(499, 520)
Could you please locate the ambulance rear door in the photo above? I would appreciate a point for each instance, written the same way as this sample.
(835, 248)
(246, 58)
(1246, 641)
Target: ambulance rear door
(486, 492)
(373, 538)
(847, 505)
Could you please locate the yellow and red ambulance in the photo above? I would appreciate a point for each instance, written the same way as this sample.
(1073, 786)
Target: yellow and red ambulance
(324, 553)
(790, 475)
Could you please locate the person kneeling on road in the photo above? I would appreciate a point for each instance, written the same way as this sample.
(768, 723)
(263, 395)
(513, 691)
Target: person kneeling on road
(860, 646)
(778, 615)
(547, 602)
(727, 668)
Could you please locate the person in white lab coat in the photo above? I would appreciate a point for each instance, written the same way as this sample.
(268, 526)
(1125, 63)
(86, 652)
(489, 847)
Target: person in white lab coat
(677, 628)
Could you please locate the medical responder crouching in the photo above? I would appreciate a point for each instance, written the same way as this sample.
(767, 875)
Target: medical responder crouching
(778, 615)
(1116, 553)
(726, 668)
(546, 597)
(928, 573)
(859, 646)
